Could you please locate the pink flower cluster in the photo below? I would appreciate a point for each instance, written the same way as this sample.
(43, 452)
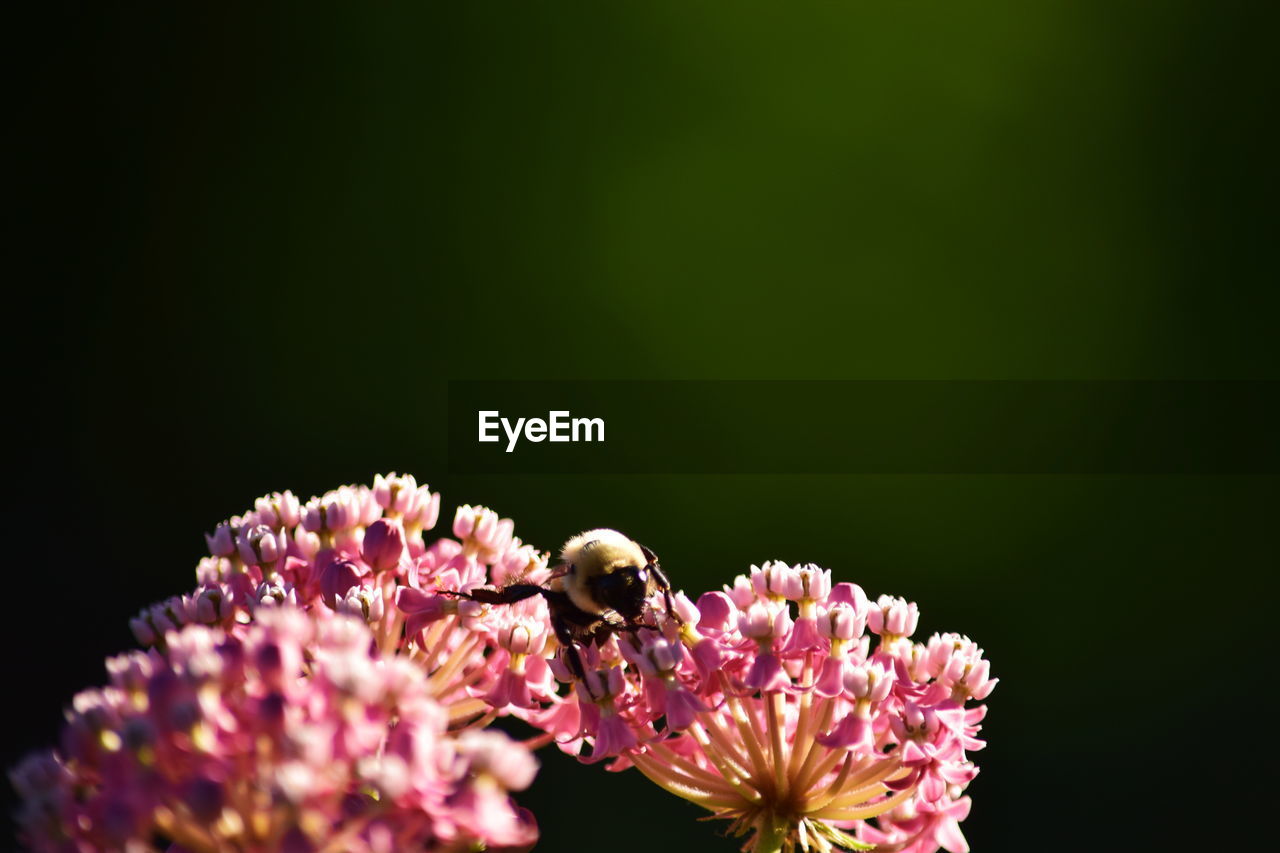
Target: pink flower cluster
(324, 688)
(357, 555)
(293, 734)
(768, 705)
(360, 551)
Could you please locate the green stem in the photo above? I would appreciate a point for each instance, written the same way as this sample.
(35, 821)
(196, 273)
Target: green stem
(771, 834)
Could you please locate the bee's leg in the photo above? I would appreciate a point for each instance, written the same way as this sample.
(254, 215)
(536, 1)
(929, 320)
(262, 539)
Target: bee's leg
(506, 595)
(574, 657)
(564, 634)
(575, 664)
(666, 587)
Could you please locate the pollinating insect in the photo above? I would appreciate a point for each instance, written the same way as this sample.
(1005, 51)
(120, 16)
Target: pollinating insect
(601, 588)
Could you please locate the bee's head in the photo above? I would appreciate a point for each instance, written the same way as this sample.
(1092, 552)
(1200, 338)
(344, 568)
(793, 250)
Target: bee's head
(624, 589)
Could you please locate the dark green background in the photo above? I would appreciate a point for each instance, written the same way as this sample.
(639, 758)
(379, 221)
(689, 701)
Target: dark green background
(253, 248)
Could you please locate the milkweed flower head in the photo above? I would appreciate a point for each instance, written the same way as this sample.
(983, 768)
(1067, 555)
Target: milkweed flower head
(294, 734)
(362, 551)
(795, 708)
(361, 555)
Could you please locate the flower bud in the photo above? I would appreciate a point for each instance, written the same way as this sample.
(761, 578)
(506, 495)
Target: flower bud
(716, 609)
(850, 594)
(384, 545)
(337, 575)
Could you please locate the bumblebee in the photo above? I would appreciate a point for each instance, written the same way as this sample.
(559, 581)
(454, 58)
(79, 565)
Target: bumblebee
(601, 588)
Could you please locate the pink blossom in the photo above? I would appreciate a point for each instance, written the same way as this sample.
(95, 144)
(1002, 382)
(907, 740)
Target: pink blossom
(786, 703)
(278, 510)
(303, 703)
(893, 617)
(795, 728)
(222, 542)
(260, 545)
